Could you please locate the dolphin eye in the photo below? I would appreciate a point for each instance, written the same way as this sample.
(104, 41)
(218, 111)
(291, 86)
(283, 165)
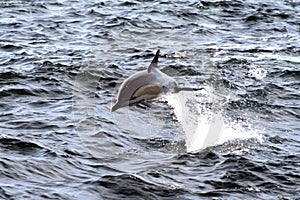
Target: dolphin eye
(165, 89)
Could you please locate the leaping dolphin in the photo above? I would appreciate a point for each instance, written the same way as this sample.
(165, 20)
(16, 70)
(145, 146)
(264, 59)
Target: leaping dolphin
(146, 86)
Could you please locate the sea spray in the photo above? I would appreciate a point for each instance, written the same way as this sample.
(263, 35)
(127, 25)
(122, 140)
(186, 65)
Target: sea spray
(202, 119)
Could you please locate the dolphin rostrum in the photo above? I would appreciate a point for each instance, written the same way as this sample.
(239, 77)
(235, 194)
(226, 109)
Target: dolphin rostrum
(146, 86)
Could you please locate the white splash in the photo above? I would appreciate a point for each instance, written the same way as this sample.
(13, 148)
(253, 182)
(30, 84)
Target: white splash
(203, 122)
(257, 73)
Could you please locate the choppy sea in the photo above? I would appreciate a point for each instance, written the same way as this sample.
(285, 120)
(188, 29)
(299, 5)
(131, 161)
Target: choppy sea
(62, 62)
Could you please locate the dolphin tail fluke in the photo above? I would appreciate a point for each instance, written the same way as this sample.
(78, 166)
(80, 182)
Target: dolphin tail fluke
(154, 61)
(178, 89)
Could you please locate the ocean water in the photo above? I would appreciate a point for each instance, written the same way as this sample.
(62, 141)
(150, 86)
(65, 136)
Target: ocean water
(61, 65)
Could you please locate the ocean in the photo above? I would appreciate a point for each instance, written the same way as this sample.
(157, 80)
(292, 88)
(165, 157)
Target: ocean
(62, 63)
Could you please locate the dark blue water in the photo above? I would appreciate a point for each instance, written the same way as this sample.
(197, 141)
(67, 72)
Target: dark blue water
(61, 64)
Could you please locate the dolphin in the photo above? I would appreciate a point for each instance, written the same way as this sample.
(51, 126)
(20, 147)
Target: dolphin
(146, 86)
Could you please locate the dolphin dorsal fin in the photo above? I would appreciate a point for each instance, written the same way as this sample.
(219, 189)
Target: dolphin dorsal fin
(154, 62)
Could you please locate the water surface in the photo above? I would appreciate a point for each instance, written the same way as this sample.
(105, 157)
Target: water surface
(60, 67)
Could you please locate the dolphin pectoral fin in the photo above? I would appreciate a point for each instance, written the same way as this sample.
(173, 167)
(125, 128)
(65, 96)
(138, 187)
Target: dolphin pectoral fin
(131, 102)
(144, 104)
(178, 89)
(135, 101)
(154, 61)
(147, 104)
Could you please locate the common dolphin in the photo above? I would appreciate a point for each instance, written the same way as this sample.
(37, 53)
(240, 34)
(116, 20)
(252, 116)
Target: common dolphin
(146, 86)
